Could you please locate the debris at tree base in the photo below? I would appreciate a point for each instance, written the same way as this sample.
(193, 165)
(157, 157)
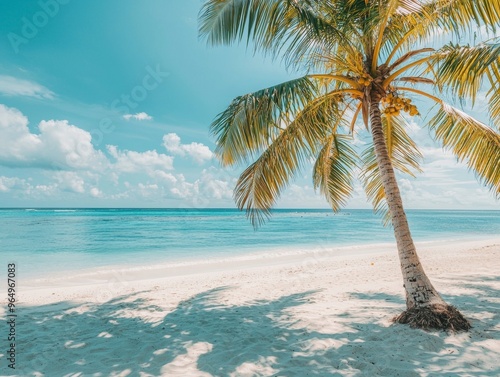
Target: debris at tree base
(434, 317)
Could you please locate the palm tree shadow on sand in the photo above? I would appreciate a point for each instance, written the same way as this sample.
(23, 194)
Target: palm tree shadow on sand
(202, 337)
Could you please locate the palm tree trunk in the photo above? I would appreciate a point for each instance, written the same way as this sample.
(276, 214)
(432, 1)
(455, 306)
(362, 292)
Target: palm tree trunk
(419, 290)
(420, 294)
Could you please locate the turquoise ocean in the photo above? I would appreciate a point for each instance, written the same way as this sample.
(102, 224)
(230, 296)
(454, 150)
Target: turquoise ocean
(46, 241)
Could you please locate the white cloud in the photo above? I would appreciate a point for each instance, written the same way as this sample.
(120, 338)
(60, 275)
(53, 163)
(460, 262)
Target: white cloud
(95, 192)
(12, 86)
(59, 145)
(211, 186)
(73, 166)
(131, 161)
(449, 194)
(9, 183)
(199, 152)
(138, 116)
(70, 181)
(56, 184)
(148, 190)
(69, 145)
(174, 185)
(302, 196)
(17, 187)
(44, 190)
(215, 184)
(163, 176)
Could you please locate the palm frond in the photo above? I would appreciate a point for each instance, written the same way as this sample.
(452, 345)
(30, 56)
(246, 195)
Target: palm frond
(457, 15)
(408, 56)
(419, 66)
(408, 29)
(384, 31)
(462, 69)
(314, 33)
(252, 121)
(438, 16)
(225, 21)
(416, 80)
(435, 17)
(387, 11)
(355, 117)
(404, 153)
(471, 141)
(372, 183)
(261, 184)
(493, 95)
(333, 170)
(297, 28)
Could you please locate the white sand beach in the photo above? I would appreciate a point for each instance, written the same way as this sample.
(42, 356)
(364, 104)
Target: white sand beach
(317, 313)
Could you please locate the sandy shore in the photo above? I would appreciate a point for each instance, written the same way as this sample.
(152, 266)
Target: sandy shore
(321, 313)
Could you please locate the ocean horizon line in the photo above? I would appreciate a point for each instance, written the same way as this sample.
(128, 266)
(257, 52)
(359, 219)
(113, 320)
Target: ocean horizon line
(238, 210)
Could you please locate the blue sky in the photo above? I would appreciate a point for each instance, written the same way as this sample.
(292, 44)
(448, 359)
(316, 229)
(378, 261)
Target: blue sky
(108, 104)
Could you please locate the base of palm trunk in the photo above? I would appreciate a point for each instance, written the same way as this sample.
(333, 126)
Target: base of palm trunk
(434, 317)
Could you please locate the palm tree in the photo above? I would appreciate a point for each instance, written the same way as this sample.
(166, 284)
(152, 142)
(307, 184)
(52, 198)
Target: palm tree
(367, 59)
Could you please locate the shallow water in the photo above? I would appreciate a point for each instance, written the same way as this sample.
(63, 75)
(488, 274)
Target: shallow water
(42, 241)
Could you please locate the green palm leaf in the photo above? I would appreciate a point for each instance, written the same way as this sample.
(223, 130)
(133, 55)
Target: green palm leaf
(461, 69)
(261, 184)
(334, 168)
(298, 27)
(252, 122)
(437, 16)
(471, 141)
(458, 15)
(493, 95)
(372, 183)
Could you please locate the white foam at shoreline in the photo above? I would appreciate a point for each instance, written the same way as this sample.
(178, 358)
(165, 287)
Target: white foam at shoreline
(251, 259)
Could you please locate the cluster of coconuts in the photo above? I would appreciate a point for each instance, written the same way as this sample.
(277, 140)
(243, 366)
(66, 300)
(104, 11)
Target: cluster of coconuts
(394, 104)
(365, 79)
